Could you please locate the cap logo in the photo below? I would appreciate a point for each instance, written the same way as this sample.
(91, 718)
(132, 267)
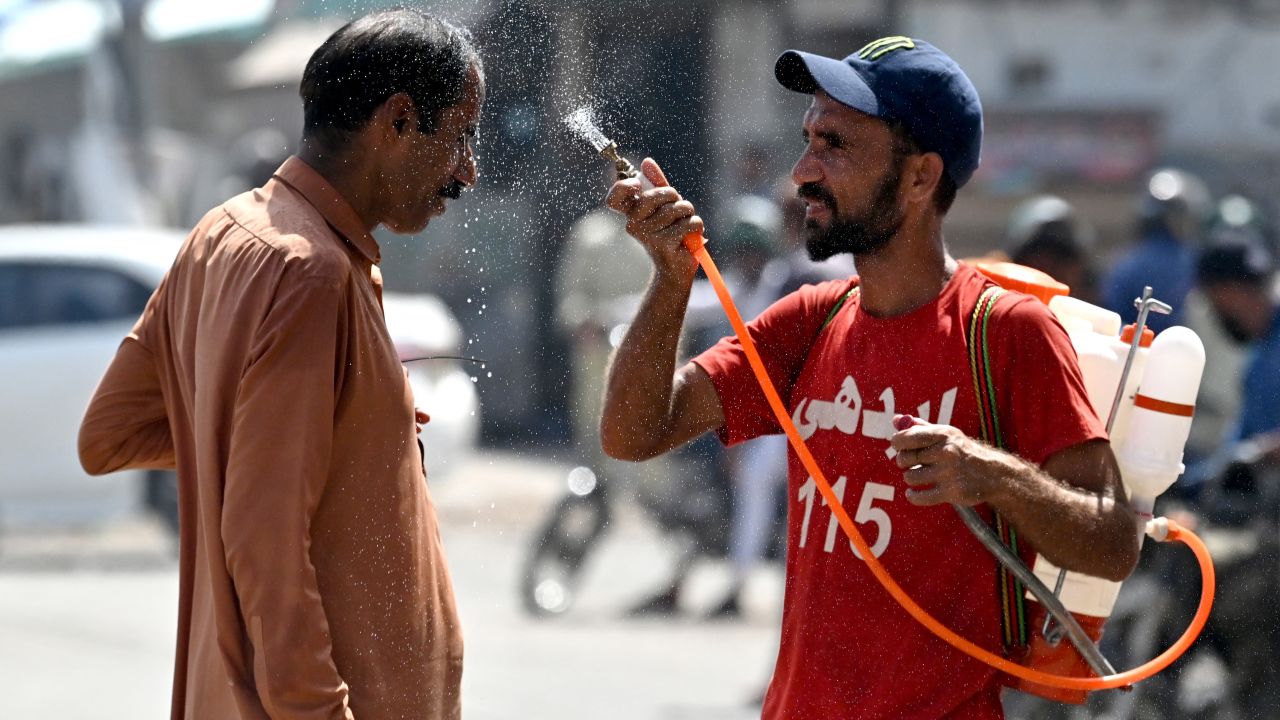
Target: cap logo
(877, 48)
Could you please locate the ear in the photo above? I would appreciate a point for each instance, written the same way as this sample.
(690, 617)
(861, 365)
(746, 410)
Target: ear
(396, 114)
(924, 172)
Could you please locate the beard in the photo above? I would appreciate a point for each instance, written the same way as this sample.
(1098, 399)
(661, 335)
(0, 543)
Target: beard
(1234, 329)
(861, 234)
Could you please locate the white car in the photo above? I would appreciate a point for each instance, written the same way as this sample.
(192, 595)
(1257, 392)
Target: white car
(68, 296)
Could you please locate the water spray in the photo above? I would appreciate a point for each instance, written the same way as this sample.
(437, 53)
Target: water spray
(582, 123)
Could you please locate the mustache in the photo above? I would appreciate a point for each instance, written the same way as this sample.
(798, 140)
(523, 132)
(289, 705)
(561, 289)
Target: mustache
(814, 191)
(453, 190)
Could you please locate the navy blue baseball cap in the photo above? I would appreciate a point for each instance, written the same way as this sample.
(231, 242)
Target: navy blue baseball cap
(906, 81)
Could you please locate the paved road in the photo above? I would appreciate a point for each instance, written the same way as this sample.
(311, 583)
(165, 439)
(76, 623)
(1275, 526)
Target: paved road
(86, 619)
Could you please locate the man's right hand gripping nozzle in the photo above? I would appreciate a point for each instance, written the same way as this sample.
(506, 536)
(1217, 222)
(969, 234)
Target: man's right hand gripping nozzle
(659, 218)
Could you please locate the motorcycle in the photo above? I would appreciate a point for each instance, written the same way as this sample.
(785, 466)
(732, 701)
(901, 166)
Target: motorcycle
(692, 501)
(1230, 673)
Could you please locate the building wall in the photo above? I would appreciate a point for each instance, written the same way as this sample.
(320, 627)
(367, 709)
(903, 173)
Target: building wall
(1205, 68)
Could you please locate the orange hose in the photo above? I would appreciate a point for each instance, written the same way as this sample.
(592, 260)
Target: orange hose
(696, 245)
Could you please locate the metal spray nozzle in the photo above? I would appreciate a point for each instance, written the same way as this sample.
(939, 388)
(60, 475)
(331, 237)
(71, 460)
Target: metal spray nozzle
(623, 166)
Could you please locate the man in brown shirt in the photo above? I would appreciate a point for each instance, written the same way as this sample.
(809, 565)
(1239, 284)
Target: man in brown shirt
(313, 581)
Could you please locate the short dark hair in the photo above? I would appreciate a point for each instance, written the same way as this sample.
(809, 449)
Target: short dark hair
(903, 144)
(374, 57)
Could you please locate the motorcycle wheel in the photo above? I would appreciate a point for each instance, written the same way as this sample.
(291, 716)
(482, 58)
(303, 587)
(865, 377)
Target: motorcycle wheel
(552, 571)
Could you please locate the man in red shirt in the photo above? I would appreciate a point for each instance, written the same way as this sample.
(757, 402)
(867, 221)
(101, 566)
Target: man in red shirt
(893, 131)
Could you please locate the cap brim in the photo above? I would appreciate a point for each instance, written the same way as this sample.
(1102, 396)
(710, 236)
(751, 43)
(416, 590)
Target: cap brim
(807, 73)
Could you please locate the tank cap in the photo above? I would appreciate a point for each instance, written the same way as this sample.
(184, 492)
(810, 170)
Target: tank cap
(1126, 335)
(1021, 278)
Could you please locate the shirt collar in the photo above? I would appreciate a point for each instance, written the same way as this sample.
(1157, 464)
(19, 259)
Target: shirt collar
(300, 176)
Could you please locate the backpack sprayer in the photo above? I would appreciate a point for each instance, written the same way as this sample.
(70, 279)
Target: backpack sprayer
(1147, 387)
(1151, 424)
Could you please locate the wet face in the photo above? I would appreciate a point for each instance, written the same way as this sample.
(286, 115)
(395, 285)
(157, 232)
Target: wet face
(849, 178)
(1241, 309)
(425, 170)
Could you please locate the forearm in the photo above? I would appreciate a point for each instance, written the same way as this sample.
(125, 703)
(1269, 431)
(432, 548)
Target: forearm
(637, 421)
(649, 408)
(1088, 531)
(126, 424)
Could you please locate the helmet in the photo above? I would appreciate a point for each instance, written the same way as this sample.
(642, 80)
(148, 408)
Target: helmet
(754, 226)
(1046, 224)
(1177, 202)
(1236, 211)
(1238, 246)
(1239, 212)
(1235, 254)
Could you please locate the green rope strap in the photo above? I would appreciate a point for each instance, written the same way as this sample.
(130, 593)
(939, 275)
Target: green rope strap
(1013, 621)
(836, 308)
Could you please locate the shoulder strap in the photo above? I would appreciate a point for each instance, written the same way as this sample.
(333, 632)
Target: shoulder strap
(980, 365)
(1013, 620)
(836, 308)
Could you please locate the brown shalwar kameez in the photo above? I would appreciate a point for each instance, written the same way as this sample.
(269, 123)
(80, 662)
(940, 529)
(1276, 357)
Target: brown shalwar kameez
(313, 581)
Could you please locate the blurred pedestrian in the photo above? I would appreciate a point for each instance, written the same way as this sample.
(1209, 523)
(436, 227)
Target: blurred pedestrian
(1218, 401)
(1174, 207)
(758, 470)
(313, 582)
(600, 277)
(1235, 497)
(892, 132)
(1237, 274)
(1048, 234)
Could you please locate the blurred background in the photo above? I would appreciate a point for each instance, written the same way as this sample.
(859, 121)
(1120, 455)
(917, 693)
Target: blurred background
(590, 588)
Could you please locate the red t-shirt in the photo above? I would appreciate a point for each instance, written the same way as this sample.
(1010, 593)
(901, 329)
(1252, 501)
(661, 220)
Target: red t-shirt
(848, 650)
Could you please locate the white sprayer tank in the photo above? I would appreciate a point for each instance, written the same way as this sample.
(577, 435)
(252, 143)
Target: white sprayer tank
(1151, 424)
(1160, 419)
(1095, 334)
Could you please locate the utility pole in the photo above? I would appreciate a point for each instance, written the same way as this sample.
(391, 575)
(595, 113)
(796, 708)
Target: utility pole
(891, 16)
(128, 50)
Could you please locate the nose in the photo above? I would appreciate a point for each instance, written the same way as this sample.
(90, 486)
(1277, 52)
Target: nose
(467, 171)
(806, 169)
